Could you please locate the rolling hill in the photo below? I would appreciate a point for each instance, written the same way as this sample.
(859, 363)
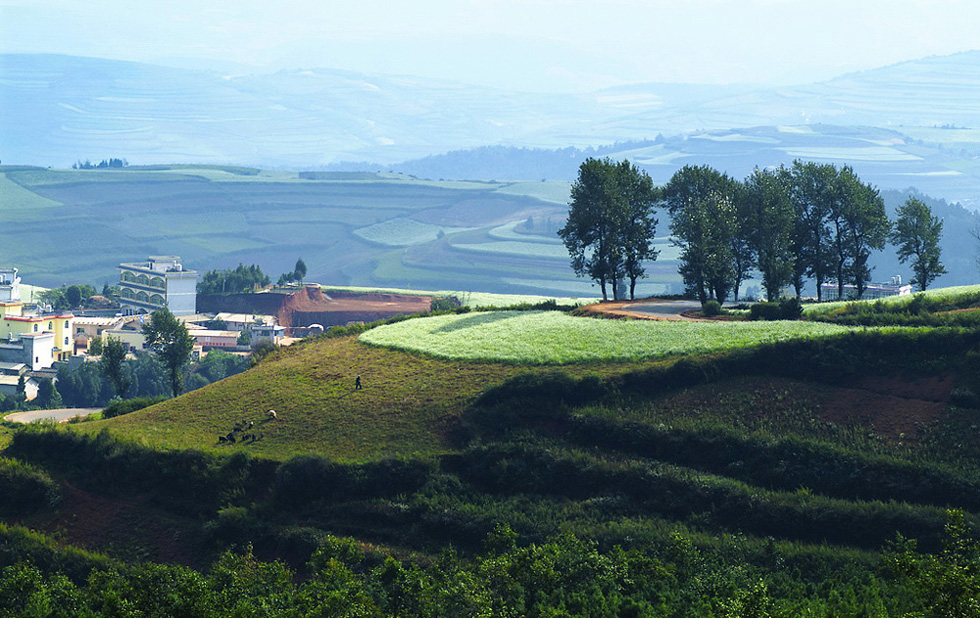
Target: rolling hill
(910, 124)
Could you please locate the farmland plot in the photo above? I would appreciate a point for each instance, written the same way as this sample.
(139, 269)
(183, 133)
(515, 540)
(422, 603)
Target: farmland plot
(548, 337)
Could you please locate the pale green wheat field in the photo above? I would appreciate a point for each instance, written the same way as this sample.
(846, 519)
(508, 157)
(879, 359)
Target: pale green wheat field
(552, 337)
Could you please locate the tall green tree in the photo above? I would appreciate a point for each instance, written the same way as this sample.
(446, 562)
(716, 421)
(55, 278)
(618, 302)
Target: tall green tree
(47, 394)
(864, 229)
(299, 271)
(743, 251)
(916, 233)
(168, 338)
(811, 188)
(113, 356)
(704, 222)
(637, 199)
(610, 227)
(771, 220)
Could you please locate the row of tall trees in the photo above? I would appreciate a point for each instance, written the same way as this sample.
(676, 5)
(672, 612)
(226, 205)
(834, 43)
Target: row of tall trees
(233, 281)
(805, 222)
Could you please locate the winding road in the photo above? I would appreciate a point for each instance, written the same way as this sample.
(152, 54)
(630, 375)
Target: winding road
(650, 309)
(60, 415)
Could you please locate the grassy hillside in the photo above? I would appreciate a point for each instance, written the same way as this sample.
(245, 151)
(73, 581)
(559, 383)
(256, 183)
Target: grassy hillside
(409, 405)
(788, 464)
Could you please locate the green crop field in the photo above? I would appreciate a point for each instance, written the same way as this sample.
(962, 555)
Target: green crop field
(14, 197)
(557, 338)
(370, 230)
(556, 192)
(400, 232)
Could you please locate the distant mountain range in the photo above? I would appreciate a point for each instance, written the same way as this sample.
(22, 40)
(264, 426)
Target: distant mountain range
(904, 125)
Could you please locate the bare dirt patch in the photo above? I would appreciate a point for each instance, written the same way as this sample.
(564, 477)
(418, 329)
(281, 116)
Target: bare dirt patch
(312, 306)
(125, 528)
(893, 407)
(896, 406)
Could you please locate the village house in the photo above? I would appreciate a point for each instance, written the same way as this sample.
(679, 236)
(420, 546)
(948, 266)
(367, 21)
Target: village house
(88, 328)
(38, 338)
(160, 281)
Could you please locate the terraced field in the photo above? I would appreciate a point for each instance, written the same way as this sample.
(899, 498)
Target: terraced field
(376, 230)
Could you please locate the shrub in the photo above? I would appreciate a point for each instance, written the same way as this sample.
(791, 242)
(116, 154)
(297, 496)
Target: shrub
(786, 309)
(765, 311)
(306, 479)
(25, 488)
(444, 303)
(119, 407)
(711, 309)
(790, 308)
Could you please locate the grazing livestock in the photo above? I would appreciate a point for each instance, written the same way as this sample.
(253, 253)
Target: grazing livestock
(272, 415)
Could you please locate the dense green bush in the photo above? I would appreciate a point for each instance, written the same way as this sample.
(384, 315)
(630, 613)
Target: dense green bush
(25, 488)
(186, 481)
(786, 309)
(444, 303)
(711, 308)
(119, 407)
(308, 479)
(765, 311)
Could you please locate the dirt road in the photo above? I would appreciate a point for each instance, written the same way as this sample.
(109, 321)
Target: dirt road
(60, 415)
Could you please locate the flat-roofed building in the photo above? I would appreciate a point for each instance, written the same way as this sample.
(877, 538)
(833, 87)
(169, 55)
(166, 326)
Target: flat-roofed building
(36, 337)
(160, 281)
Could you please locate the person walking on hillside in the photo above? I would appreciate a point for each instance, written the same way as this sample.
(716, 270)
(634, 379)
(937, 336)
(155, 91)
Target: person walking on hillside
(357, 383)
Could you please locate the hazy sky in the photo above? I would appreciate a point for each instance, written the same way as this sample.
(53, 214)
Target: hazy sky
(552, 45)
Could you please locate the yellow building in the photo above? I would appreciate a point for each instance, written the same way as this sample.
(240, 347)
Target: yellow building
(35, 338)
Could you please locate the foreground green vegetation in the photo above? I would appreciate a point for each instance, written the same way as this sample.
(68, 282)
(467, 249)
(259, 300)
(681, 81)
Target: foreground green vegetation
(778, 477)
(558, 338)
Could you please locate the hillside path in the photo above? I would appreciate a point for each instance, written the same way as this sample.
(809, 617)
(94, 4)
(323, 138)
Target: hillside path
(60, 415)
(649, 309)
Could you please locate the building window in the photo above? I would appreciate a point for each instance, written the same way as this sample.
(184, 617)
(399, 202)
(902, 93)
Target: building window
(35, 328)
(67, 325)
(80, 330)
(50, 325)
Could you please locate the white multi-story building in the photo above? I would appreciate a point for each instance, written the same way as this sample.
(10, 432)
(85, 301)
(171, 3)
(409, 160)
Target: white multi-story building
(872, 291)
(159, 282)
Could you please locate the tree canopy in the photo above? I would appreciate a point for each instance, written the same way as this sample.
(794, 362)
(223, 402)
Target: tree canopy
(916, 233)
(610, 228)
(232, 281)
(168, 338)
